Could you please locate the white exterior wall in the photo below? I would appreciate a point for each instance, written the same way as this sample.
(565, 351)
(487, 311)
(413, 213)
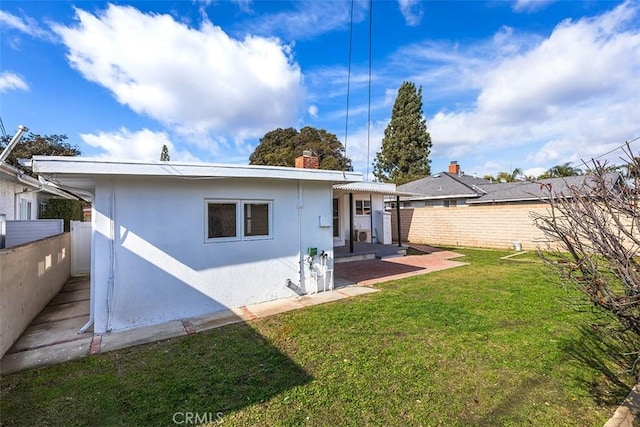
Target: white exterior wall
(360, 222)
(158, 266)
(8, 199)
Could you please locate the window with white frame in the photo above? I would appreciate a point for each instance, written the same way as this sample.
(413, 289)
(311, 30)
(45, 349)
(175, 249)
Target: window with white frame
(363, 207)
(25, 209)
(228, 220)
(256, 219)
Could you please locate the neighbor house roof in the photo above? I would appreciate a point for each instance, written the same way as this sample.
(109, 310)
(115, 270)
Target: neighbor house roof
(80, 172)
(444, 185)
(538, 190)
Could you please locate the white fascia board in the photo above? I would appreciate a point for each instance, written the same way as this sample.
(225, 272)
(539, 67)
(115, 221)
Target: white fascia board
(50, 165)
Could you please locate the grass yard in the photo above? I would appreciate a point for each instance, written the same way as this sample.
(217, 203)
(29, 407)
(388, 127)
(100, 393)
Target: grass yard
(486, 344)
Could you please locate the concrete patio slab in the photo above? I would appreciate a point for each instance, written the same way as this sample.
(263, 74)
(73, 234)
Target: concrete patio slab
(45, 356)
(370, 272)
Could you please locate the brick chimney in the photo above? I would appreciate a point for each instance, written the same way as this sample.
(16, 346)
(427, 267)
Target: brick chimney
(454, 168)
(307, 161)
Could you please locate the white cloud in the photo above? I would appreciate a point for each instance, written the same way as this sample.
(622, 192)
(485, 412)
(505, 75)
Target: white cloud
(198, 81)
(309, 19)
(11, 81)
(531, 5)
(566, 98)
(141, 145)
(313, 111)
(535, 172)
(412, 11)
(24, 25)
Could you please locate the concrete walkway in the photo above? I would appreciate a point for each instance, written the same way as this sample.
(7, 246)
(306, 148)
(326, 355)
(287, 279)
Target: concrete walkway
(53, 337)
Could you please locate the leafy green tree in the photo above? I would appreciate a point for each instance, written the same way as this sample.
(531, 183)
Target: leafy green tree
(560, 171)
(164, 155)
(38, 145)
(510, 177)
(280, 147)
(68, 210)
(406, 144)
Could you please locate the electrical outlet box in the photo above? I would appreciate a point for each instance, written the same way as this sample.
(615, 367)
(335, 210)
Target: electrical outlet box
(312, 251)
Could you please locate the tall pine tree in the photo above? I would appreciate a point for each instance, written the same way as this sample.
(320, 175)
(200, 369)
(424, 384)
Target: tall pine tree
(164, 155)
(406, 144)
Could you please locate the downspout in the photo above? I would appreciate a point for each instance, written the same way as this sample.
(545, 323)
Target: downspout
(302, 284)
(112, 254)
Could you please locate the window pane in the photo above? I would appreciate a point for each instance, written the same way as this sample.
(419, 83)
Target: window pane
(222, 220)
(358, 207)
(366, 207)
(256, 219)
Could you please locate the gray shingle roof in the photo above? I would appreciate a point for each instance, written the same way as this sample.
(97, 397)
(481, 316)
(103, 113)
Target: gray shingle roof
(538, 190)
(444, 185)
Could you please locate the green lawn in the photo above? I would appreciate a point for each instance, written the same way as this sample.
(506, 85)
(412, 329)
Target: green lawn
(486, 344)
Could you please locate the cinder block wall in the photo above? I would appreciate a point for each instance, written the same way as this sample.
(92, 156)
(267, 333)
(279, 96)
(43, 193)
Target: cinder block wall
(493, 226)
(30, 276)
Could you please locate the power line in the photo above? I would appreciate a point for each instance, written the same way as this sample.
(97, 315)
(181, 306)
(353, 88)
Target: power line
(369, 101)
(617, 148)
(346, 126)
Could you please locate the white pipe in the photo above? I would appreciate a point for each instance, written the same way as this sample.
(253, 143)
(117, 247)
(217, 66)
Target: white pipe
(16, 138)
(301, 254)
(112, 254)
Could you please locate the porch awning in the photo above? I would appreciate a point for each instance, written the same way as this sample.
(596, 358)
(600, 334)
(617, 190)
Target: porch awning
(372, 187)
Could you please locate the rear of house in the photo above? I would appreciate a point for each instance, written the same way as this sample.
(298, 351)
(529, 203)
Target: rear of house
(172, 241)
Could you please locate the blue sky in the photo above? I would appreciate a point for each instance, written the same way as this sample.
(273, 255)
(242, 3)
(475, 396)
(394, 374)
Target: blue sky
(506, 84)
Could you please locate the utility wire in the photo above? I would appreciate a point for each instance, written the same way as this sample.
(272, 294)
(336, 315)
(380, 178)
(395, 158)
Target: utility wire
(617, 148)
(369, 101)
(346, 126)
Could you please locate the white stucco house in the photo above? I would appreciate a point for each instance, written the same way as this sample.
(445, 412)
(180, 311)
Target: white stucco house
(175, 240)
(22, 197)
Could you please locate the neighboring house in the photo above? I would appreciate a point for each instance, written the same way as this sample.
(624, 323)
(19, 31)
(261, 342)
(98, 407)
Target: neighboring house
(500, 217)
(22, 197)
(175, 240)
(441, 190)
(536, 192)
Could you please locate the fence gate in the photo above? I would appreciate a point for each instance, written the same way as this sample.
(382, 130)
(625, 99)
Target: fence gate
(80, 248)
